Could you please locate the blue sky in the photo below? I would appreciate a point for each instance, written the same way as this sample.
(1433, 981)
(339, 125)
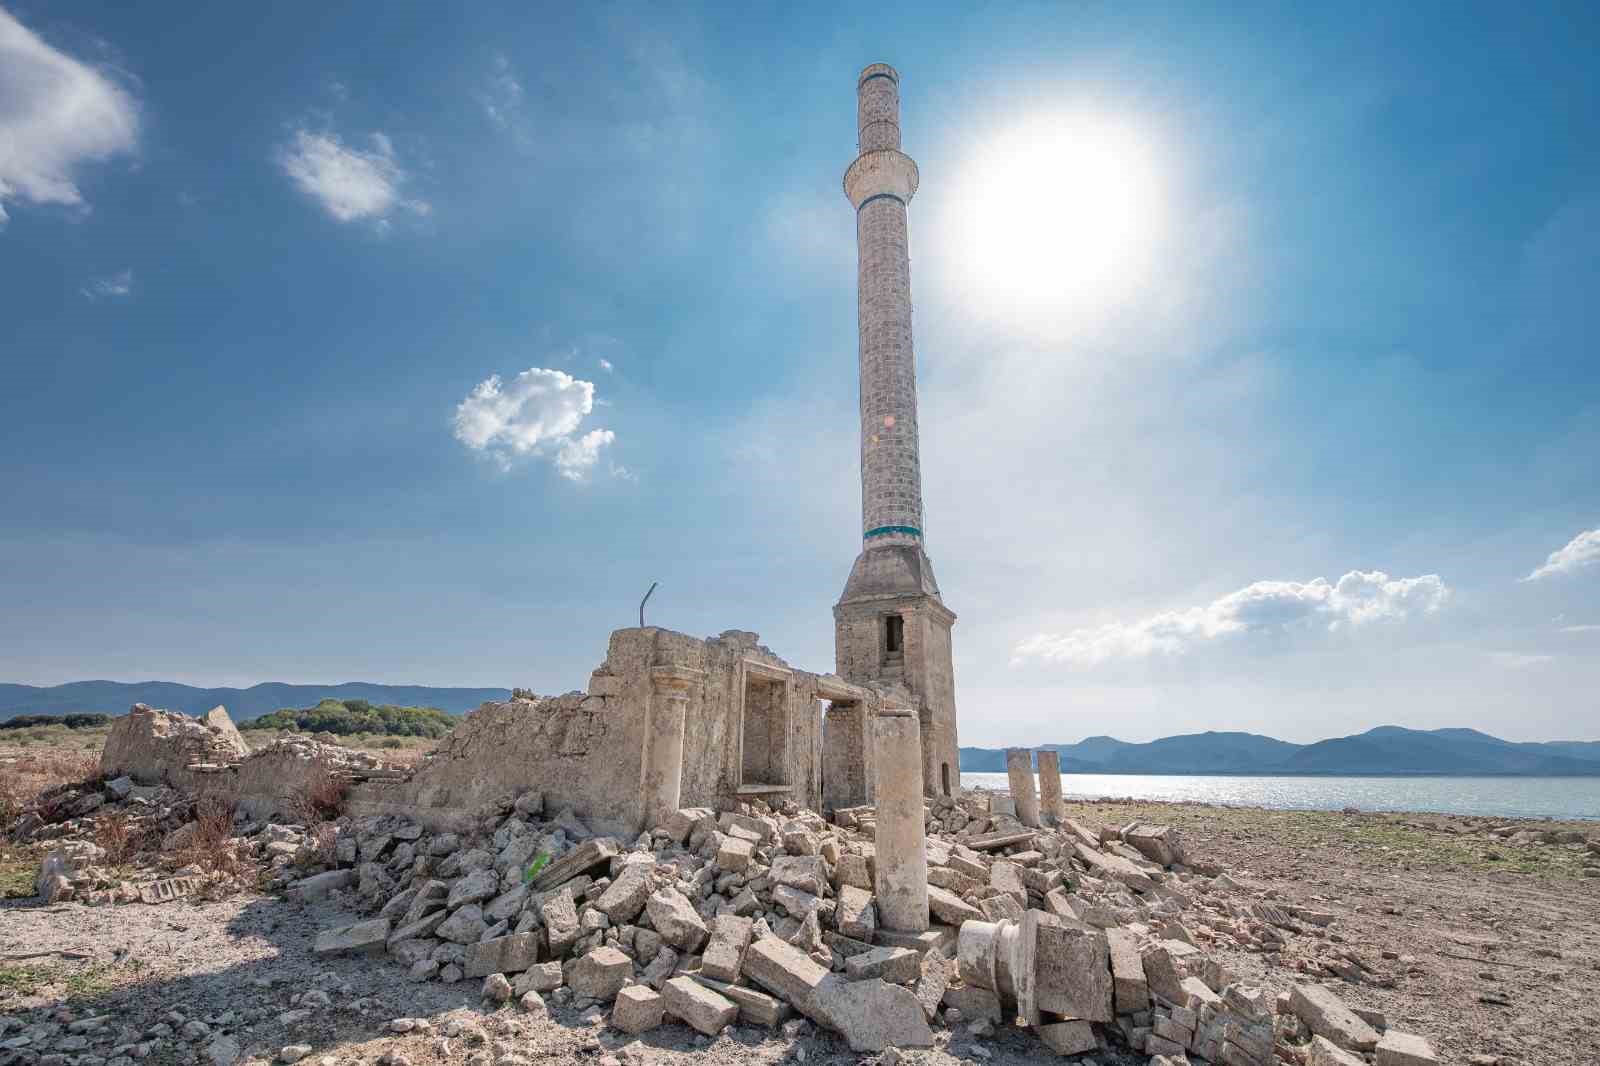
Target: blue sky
(412, 345)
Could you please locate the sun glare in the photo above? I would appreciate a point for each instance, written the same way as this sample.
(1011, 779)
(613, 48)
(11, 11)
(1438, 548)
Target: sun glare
(1059, 214)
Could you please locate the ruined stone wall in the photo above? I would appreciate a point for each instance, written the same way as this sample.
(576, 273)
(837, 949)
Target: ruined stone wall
(154, 747)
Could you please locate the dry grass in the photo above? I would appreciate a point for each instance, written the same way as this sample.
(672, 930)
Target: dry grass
(208, 841)
(24, 776)
(324, 842)
(121, 836)
(322, 798)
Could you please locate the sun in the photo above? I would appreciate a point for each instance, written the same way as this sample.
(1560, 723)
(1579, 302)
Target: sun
(1059, 213)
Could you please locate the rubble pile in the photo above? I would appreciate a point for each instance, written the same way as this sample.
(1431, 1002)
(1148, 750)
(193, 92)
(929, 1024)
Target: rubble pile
(1095, 939)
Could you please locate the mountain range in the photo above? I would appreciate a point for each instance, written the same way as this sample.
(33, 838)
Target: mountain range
(1388, 749)
(115, 697)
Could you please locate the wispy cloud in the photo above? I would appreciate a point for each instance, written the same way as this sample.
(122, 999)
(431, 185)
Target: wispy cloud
(56, 114)
(349, 183)
(1518, 660)
(1581, 551)
(117, 285)
(1358, 598)
(537, 414)
(501, 96)
(605, 364)
(1584, 628)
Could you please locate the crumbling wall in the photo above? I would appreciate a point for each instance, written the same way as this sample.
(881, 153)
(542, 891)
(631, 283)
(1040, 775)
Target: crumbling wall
(156, 747)
(286, 775)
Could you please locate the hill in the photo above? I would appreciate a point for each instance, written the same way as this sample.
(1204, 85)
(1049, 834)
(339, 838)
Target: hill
(1385, 750)
(115, 697)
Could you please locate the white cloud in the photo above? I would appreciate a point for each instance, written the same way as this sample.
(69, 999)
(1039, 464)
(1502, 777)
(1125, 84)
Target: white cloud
(605, 364)
(1585, 628)
(1581, 551)
(119, 284)
(1358, 598)
(1517, 660)
(56, 114)
(537, 414)
(501, 98)
(349, 183)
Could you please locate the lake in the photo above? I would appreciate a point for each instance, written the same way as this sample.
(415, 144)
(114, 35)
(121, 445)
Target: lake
(1519, 797)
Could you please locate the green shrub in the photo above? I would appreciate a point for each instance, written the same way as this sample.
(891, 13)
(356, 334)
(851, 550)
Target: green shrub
(350, 718)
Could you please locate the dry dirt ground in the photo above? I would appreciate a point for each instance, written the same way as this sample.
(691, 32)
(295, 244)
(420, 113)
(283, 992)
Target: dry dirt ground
(1490, 956)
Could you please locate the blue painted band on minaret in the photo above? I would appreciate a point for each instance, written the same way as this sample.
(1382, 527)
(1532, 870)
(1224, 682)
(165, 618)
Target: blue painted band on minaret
(880, 196)
(889, 531)
(880, 74)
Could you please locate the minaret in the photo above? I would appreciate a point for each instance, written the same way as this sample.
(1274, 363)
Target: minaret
(890, 625)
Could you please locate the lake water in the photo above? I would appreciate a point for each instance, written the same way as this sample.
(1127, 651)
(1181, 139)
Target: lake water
(1520, 797)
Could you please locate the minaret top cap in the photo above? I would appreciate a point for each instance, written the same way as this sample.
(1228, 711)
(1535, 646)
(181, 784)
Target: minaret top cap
(879, 70)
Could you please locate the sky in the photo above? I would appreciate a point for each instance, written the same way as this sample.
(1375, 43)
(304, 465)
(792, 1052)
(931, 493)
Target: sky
(1256, 349)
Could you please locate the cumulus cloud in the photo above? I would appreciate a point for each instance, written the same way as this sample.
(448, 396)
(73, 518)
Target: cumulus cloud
(349, 183)
(56, 114)
(119, 284)
(1357, 599)
(1581, 551)
(537, 414)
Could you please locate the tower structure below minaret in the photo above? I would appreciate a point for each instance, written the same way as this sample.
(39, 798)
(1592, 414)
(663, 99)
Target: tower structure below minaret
(890, 625)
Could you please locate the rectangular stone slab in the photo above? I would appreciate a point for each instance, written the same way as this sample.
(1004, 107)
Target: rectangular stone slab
(581, 859)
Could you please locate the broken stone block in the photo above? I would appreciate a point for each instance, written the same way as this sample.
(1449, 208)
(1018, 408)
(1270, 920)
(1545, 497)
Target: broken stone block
(1114, 868)
(1163, 972)
(1198, 994)
(734, 854)
(502, 954)
(600, 974)
(626, 896)
(756, 827)
(1131, 991)
(795, 901)
(931, 985)
(1006, 877)
(1326, 1015)
(1069, 1037)
(1160, 844)
(1405, 1049)
(1324, 1052)
(951, 908)
(724, 954)
(896, 965)
(1072, 972)
(856, 916)
(410, 952)
(542, 977)
(637, 1010)
(675, 918)
(496, 988)
(598, 851)
(507, 905)
(974, 1002)
(870, 1014)
(1001, 907)
(473, 888)
(562, 929)
(755, 1008)
(808, 873)
(318, 886)
(854, 870)
(465, 926)
(698, 1006)
(362, 938)
(681, 823)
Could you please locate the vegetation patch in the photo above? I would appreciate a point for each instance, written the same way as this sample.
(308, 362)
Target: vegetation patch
(347, 717)
(70, 721)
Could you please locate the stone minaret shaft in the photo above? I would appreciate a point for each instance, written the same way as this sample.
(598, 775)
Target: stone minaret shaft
(880, 184)
(891, 627)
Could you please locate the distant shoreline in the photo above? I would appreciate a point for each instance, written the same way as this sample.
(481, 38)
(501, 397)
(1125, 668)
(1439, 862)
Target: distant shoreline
(1099, 772)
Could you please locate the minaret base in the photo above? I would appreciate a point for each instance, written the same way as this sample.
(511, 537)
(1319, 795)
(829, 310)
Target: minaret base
(890, 627)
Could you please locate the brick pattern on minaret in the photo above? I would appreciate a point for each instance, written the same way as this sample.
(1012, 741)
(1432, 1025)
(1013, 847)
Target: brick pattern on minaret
(880, 183)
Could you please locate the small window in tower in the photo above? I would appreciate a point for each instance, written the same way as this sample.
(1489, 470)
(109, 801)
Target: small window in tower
(894, 631)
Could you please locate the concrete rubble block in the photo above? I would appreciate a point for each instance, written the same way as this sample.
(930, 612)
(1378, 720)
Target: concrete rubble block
(675, 918)
(1075, 1037)
(560, 917)
(626, 896)
(951, 908)
(1114, 868)
(473, 888)
(362, 938)
(637, 1010)
(808, 873)
(1006, 877)
(898, 966)
(755, 1008)
(465, 926)
(724, 954)
(697, 1006)
(1072, 971)
(932, 982)
(540, 977)
(735, 853)
(600, 974)
(1130, 989)
(1324, 1052)
(317, 886)
(856, 916)
(682, 822)
(1326, 1015)
(1405, 1049)
(871, 1015)
(417, 930)
(503, 954)
(598, 851)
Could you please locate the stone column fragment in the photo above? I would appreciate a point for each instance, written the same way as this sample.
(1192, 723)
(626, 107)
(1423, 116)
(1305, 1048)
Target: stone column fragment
(901, 878)
(661, 776)
(1050, 808)
(1019, 767)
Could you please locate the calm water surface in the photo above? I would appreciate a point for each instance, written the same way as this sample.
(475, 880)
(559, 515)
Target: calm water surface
(1521, 797)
